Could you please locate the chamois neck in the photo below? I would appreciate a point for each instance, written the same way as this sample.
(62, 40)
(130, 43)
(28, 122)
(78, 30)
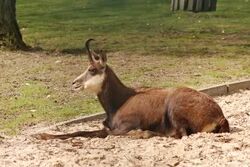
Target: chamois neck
(114, 93)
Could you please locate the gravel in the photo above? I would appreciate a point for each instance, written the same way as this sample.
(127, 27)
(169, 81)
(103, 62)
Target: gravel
(202, 149)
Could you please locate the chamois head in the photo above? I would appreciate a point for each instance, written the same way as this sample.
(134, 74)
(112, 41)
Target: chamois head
(93, 77)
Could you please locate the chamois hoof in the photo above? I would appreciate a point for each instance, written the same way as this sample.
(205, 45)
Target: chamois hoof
(139, 134)
(42, 136)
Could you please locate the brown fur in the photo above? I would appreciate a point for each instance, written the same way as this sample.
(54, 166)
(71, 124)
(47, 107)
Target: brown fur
(164, 112)
(172, 112)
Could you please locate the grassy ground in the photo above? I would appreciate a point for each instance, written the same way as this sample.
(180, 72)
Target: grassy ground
(148, 45)
(141, 26)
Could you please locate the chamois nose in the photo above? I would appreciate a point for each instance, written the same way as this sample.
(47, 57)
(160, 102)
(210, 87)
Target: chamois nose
(75, 82)
(76, 85)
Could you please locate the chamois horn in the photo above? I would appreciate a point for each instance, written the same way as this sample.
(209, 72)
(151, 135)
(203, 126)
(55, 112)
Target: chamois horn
(88, 50)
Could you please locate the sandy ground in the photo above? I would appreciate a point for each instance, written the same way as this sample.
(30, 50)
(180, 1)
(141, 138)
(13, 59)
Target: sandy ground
(196, 150)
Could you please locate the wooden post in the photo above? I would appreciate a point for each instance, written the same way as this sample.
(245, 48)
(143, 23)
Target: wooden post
(206, 5)
(191, 5)
(183, 4)
(194, 5)
(176, 5)
(213, 5)
(198, 5)
(172, 5)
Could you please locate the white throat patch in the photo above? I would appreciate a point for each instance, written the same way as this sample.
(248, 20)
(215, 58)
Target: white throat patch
(94, 85)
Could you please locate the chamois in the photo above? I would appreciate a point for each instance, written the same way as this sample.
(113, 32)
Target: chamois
(144, 112)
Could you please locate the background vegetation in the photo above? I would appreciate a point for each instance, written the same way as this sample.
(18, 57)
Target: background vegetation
(141, 26)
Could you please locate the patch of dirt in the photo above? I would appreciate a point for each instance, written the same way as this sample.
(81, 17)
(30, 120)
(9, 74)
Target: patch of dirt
(202, 149)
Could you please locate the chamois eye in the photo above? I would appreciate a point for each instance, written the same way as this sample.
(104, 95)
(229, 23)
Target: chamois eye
(97, 58)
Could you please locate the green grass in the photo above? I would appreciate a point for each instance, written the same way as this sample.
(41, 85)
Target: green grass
(34, 103)
(141, 26)
(181, 48)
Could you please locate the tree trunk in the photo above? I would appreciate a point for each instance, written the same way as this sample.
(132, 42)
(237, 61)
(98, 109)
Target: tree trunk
(10, 35)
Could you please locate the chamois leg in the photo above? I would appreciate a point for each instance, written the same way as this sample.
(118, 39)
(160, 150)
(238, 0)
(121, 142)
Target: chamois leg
(221, 126)
(140, 134)
(137, 134)
(131, 129)
(121, 131)
(98, 133)
(179, 127)
(224, 126)
(178, 133)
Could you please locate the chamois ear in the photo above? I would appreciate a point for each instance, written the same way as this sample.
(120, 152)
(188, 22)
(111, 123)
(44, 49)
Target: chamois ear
(103, 55)
(99, 58)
